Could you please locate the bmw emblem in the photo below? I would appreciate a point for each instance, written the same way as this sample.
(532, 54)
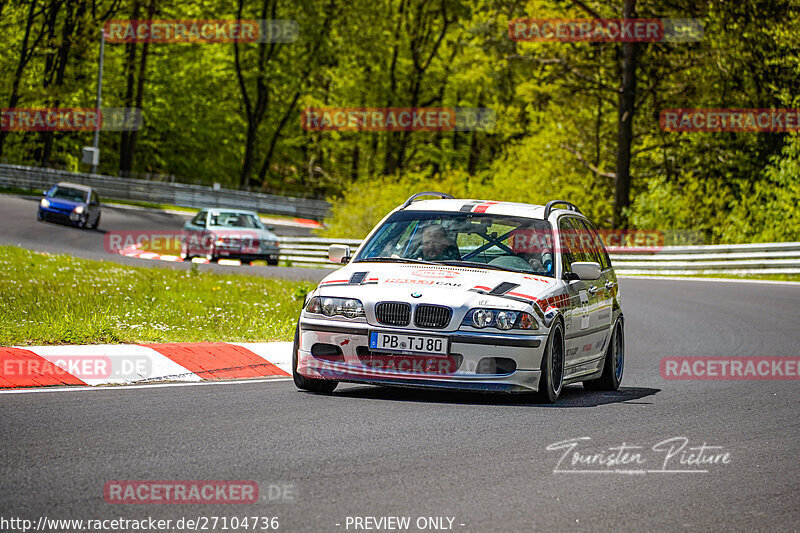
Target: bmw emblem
(416, 294)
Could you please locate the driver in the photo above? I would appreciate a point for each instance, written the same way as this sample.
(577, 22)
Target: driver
(436, 246)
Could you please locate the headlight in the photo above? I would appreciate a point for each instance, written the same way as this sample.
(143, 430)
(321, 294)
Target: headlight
(499, 318)
(79, 209)
(346, 307)
(45, 202)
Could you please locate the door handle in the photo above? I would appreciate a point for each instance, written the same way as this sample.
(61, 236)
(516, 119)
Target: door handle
(592, 290)
(610, 285)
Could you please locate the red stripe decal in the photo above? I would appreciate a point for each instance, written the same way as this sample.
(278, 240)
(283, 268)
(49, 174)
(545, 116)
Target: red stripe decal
(23, 368)
(483, 207)
(483, 288)
(335, 281)
(218, 360)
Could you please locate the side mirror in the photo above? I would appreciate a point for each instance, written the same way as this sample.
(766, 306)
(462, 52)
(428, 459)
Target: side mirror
(586, 270)
(339, 253)
(271, 228)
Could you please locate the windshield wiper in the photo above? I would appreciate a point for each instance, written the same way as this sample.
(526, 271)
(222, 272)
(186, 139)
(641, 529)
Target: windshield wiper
(393, 260)
(475, 264)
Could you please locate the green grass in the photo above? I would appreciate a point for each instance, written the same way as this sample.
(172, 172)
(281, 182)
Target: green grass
(58, 299)
(769, 277)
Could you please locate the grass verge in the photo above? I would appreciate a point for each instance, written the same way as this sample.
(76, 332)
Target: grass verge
(58, 299)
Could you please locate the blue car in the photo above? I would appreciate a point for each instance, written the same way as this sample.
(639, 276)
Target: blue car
(70, 203)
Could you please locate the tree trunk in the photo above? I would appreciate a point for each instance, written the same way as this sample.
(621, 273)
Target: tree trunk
(627, 97)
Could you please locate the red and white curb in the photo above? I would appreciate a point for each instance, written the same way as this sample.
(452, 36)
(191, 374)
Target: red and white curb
(124, 364)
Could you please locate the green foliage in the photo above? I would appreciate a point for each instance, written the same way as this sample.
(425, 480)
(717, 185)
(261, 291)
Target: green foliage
(556, 105)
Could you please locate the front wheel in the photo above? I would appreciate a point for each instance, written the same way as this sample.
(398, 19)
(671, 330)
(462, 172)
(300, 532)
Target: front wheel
(552, 380)
(614, 364)
(302, 382)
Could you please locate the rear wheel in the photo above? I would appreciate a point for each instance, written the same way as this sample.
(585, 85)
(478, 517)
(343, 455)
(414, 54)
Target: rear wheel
(552, 380)
(614, 364)
(302, 382)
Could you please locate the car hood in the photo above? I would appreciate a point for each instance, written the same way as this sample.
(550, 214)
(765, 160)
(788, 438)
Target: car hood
(455, 287)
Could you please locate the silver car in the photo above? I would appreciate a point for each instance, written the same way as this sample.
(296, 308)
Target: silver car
(230, 234)
(470, 295)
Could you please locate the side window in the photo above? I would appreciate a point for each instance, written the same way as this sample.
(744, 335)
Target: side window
(566, 238)
(598, 250)
(200, 219)
(590, 244)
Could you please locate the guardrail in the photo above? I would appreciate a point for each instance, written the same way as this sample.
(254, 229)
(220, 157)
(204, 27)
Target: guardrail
(180, 194)
(763, 258)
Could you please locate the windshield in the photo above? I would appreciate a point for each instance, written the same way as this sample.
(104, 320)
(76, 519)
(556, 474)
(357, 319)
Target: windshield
(68, 193)
(493, 241)
(235, 220)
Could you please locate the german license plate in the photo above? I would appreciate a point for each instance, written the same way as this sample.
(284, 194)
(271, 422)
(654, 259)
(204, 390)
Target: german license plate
(402, 343)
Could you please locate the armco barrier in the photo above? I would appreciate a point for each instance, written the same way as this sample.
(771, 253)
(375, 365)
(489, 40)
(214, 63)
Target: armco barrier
(184, 195)
(764, 258)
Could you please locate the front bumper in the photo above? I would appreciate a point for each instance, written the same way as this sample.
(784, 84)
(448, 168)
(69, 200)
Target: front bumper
(63, 216)
(468, 349)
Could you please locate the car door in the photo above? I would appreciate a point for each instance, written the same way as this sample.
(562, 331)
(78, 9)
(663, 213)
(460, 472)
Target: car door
(600, 290)
(576, 315)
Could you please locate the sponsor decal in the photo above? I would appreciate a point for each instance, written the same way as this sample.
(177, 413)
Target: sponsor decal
(436, 273)
(423, 282)
(730, 368)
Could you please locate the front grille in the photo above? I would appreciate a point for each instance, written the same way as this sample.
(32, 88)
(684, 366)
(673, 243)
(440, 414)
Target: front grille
(393, 313)
(432, 316)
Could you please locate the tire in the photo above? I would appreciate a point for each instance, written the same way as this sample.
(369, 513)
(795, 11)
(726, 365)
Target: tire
(245, 261)
(185, 254)
(309, 384)
(614, 363)
(551, 382)
(82, 223)
(212, 258)
(272, 262)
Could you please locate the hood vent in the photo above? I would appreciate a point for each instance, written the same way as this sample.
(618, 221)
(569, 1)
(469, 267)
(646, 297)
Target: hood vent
(357, 278)
(503, 288)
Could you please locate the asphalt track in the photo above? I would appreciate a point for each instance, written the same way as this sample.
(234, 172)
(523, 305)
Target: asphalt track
(18, 226)
(367, 451)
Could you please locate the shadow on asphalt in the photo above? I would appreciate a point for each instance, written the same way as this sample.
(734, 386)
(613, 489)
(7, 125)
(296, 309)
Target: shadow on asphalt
(572, 396)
